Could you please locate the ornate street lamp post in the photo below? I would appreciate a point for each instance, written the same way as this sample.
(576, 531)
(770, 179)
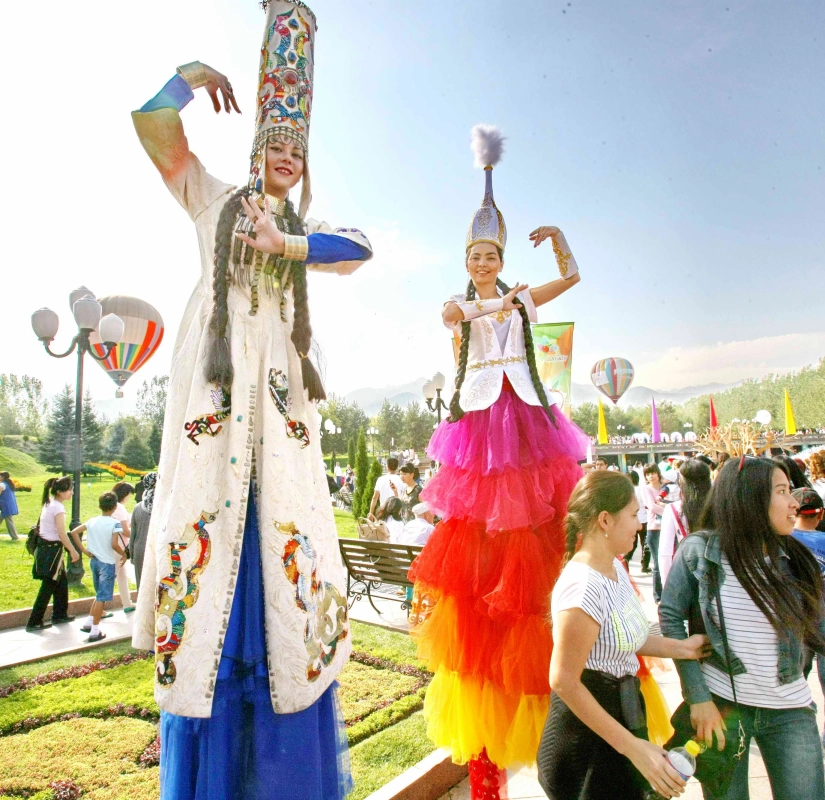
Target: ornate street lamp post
(87, 314)
(432, 394)
(372, 432)
(331, 430)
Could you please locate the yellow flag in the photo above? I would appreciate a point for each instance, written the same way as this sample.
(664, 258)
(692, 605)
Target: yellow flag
(790, 422)
(602, 424)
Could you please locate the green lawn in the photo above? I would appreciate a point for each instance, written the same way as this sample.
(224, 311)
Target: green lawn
(101, 749)
(18, 588)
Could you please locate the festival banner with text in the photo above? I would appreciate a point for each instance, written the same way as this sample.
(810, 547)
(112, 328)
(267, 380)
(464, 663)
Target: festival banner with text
(553, 342)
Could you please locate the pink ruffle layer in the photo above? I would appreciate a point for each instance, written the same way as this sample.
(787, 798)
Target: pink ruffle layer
(508, 435)
(507, 466)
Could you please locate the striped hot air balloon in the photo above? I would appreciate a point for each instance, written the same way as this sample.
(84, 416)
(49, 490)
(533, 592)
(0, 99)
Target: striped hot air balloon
(142, 335)
(612, 377)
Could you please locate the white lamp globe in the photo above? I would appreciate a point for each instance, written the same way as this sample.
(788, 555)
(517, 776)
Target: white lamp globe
(45, 324)
(87, 313)
(428, 390)
(763, 417)
(111, 329)
(438, 381)
(329, 426)
(81, 291)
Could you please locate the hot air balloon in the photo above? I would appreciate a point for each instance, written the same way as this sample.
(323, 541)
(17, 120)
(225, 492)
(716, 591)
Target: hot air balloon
(612, 377)
(142, 336)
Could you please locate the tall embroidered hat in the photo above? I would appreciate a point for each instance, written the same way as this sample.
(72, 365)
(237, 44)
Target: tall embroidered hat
(285, 80)
(488, 224)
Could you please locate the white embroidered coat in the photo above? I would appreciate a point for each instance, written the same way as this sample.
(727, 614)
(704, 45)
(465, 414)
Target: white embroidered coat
(488, 362)
(196, 532)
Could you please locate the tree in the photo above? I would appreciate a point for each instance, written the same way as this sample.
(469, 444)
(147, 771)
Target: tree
(586, 416)
(151, 404)
(92, 431)
(115, 440)
(390, 424)
(23, 409)
(417, 426)
(136, 453)
(154, 444)
(361, 474)
(57, 444)
(351, 452)
(349, 417)
(376, 471)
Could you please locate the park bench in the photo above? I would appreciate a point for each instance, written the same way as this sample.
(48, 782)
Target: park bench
(374, 567)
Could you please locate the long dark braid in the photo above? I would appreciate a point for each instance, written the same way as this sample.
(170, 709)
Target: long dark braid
(456, 412)
(301, 326)
(219, 360)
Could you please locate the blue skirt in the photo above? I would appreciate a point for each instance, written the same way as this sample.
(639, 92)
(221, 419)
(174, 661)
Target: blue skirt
(245, 751)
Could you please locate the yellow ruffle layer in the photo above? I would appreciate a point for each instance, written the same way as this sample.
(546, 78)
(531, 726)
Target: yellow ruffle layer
(467, 715)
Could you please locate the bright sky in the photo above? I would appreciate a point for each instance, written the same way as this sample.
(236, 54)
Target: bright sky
(679, 145)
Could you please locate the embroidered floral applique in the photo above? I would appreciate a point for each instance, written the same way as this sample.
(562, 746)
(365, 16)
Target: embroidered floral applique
(279, 392)
(326, 610)
(209, 424)
(177, 593)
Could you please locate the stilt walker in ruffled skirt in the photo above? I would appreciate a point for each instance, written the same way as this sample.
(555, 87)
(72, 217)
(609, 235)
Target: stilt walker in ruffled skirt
(508, 464)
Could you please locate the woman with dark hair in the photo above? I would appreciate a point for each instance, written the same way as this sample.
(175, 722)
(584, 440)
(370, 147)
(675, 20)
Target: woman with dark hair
(508, 464)
(595, 742)
(641, 536)
(139, 524)
(411, 494)
(655, 511)
(795, 472)
(247, 655)
(8, 505)
(685, 514)
(49, 567)
(391, 514)
(745, 579)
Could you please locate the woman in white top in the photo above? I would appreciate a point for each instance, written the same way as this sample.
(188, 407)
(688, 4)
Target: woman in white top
(48, 561)
(685, 514)
(768, 588)
(123, 489)
(594, 745)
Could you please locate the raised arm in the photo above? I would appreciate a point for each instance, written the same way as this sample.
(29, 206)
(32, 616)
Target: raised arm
(568, 269)
(160, 130)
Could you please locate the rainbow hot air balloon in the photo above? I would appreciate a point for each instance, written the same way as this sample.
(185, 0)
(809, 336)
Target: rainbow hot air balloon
(612, 377)
(142, 335)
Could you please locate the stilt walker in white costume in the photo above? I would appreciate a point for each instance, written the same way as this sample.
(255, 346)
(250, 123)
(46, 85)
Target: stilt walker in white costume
(243, 594)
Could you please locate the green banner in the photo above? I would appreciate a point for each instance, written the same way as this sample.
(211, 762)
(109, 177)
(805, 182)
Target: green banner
(553, 342)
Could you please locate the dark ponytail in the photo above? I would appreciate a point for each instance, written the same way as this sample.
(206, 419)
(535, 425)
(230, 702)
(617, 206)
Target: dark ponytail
(456, 411)
(55, 485)
(219, 359)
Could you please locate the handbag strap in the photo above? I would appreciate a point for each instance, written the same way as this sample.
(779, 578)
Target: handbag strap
(725, 638)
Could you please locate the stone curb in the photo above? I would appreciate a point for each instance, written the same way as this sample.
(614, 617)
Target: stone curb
(429, 779)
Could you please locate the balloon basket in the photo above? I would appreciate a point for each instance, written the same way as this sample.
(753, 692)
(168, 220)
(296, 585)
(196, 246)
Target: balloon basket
(119, 394)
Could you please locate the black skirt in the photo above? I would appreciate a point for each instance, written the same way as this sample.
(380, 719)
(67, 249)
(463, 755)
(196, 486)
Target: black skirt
(574, 762)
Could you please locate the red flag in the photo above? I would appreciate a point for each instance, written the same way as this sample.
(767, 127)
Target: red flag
(713, 421)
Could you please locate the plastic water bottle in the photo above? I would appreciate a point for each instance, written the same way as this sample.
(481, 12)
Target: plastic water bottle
(683, 760)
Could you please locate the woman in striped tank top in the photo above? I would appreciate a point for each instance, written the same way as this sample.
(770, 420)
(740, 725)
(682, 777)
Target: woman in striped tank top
(769, 589)
(594, 745)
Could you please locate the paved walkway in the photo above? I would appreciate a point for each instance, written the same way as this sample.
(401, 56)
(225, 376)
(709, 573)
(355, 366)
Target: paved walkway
(523, 784)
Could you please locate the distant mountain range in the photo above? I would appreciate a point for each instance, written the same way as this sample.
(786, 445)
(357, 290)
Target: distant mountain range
(371, 399)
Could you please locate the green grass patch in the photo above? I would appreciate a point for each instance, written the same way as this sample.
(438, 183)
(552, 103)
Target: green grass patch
(131, 685)
(345, 523)
(96, 754)
(363, 688)
(385, 756)
(18, 464)
(379, 642)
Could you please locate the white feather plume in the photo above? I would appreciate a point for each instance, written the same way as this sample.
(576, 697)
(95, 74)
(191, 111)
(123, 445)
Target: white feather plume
(487, 145)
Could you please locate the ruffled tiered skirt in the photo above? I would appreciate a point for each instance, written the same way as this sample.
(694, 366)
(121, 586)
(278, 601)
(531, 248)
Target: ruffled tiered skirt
(483, 581)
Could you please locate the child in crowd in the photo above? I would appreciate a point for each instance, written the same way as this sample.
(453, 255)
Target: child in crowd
(103, 536)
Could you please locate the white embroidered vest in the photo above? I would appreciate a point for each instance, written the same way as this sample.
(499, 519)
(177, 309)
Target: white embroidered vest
(488, 362)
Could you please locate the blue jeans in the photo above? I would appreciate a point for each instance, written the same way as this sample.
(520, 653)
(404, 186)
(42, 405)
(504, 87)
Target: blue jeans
(653, 546)
(791, 749)
(103, 577)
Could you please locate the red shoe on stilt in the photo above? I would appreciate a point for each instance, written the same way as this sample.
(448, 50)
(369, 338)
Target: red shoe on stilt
(487, 781)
